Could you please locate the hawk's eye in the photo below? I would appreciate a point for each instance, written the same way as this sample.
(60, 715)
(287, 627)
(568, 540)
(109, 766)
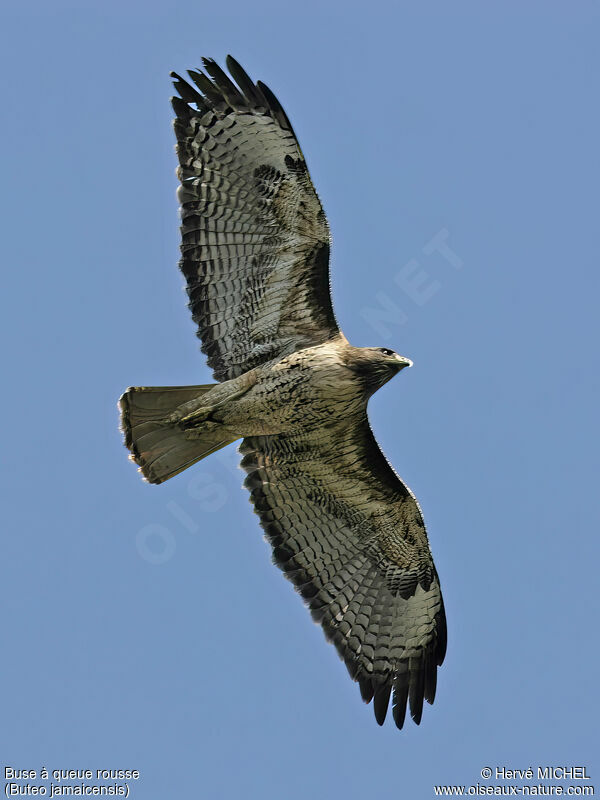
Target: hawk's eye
(386, 352)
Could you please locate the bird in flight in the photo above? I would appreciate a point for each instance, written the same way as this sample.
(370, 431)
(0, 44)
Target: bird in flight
(344, 528)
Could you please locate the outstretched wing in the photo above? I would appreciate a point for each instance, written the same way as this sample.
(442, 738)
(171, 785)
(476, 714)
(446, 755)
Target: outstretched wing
(350, 536)
(255, 241)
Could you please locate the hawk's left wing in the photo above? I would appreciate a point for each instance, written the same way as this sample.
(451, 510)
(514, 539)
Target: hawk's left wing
(350, 536)
(255, 241)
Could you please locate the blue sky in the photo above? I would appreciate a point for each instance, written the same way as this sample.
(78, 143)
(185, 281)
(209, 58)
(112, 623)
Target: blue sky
(145, 627)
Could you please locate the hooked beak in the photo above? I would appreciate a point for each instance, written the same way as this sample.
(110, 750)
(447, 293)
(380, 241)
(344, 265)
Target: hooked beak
(403, 362)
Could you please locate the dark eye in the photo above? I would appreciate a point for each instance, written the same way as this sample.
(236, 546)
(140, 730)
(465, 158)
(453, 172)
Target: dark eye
(386, 352)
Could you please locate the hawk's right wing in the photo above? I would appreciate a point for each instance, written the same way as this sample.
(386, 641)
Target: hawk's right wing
(255, 241)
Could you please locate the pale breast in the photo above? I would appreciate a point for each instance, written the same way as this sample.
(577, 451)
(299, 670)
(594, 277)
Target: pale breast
(306, 390)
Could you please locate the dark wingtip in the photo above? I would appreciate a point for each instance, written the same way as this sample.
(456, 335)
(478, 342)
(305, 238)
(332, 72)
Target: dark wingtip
(222, 94)
(249, 89)
(416, 691)
(442, 635)
(181, 108)
(399, 713)
(353, 668)
(187, 92)
(275, 107)
(366, 689)
(430, 683)
(381, 700)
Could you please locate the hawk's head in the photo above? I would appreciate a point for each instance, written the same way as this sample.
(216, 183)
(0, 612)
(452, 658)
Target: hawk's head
(376, 365)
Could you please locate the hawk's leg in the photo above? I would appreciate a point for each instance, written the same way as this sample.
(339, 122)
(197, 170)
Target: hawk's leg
(200, 410)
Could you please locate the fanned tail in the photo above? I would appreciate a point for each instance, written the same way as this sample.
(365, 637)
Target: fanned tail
(158, 446)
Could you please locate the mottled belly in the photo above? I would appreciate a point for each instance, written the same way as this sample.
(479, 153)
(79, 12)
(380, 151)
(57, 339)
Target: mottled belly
(294, 400)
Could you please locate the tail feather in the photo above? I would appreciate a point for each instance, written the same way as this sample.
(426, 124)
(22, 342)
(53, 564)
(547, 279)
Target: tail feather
(159, 447)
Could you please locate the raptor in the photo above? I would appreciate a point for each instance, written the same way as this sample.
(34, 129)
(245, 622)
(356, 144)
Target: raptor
(343, 527)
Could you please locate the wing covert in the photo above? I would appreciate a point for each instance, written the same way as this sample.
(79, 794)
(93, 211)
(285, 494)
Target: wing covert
(255, 240)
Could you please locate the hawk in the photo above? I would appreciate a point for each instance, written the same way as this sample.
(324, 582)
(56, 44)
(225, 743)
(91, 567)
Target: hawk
(344, 528)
